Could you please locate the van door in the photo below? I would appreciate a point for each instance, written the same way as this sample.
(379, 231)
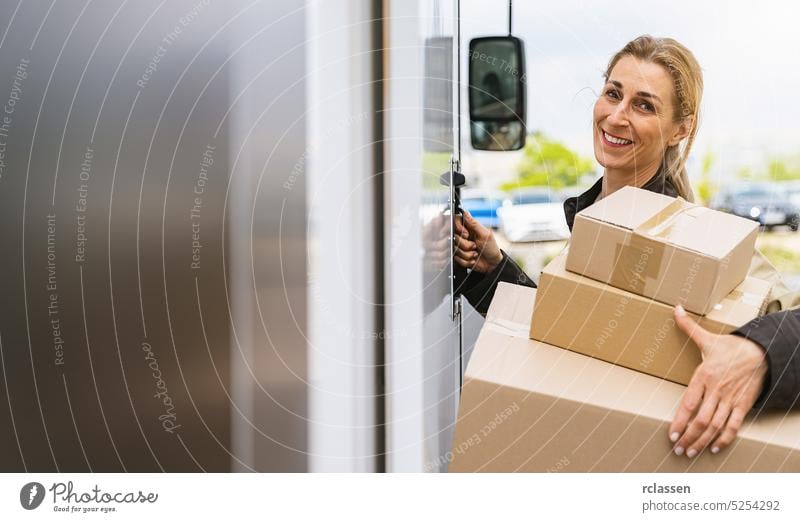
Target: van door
(423, 345)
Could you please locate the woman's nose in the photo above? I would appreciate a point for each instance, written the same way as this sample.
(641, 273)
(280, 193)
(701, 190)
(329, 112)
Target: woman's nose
(619, 114)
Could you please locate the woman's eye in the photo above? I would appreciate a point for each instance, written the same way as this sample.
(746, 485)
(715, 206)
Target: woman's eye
(613, 93)
(646, 106)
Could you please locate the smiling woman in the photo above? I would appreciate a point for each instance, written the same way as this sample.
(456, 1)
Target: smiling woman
(650, 104)
(644, 125)
(645, 122)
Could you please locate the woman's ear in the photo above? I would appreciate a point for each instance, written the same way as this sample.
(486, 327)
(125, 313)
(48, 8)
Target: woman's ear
(683, 130)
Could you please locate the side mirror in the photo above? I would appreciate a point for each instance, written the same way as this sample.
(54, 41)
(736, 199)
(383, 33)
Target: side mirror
(497, 93)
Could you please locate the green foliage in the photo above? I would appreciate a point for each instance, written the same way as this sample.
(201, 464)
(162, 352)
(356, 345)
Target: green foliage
(549, 163)
(708, 162)
(777, 169)
(746, 174)
(706, 188)
(780, 169)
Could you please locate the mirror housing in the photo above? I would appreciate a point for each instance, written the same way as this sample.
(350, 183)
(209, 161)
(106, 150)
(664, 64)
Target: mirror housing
(497, 93)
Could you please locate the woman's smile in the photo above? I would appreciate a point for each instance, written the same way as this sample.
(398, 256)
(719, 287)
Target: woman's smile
(610, 140)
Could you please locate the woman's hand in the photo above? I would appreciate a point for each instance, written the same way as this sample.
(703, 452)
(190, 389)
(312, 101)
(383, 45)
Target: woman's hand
(722, 390)
(475, 245)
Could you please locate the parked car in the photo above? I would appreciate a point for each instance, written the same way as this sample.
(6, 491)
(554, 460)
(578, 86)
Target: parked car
(482, 205)
(792, 190)
(762, 202)
(533, 215)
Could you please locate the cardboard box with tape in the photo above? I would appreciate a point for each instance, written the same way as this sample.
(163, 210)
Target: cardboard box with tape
(663, 248)
(528, 406)
(621, 327)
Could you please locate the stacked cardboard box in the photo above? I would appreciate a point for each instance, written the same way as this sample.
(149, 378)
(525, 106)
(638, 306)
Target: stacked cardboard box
(632, 257)
(602, 321)
(531, 403)
(663, 248)
(529, 406)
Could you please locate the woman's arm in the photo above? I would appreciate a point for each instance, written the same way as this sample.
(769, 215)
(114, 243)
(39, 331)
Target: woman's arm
(779, 335)
(477, 249)
(479, 288)
(758, 366)
(722, 390)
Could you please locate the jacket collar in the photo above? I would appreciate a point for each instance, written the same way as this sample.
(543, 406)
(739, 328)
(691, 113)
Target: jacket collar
(658, 183)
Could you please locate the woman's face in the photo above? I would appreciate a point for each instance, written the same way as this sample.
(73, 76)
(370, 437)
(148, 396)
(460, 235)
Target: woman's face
(634, 118)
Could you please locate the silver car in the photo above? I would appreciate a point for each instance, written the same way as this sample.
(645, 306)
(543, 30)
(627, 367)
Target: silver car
(533, 215)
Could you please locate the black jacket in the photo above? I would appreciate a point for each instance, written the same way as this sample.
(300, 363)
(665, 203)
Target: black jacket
(777, 333)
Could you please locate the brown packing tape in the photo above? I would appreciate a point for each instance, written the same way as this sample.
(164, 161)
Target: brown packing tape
(666, 229)
(638, 260)
(750, 299)
(663, 224)
(636, 263)
(662, 216)
(697, 211)
(746, 298)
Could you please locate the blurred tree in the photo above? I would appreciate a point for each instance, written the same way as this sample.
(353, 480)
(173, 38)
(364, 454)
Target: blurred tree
(746, 173)
(783, 169)
(706, 188)
(777, 169)
(549, 163)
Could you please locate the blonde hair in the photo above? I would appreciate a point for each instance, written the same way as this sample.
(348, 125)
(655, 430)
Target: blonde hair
(687, 78)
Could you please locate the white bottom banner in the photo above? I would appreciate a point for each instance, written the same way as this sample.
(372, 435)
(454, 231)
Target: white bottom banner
(398, 497)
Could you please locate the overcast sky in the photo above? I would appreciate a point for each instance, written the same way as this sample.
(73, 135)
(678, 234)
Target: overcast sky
(749, 52)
